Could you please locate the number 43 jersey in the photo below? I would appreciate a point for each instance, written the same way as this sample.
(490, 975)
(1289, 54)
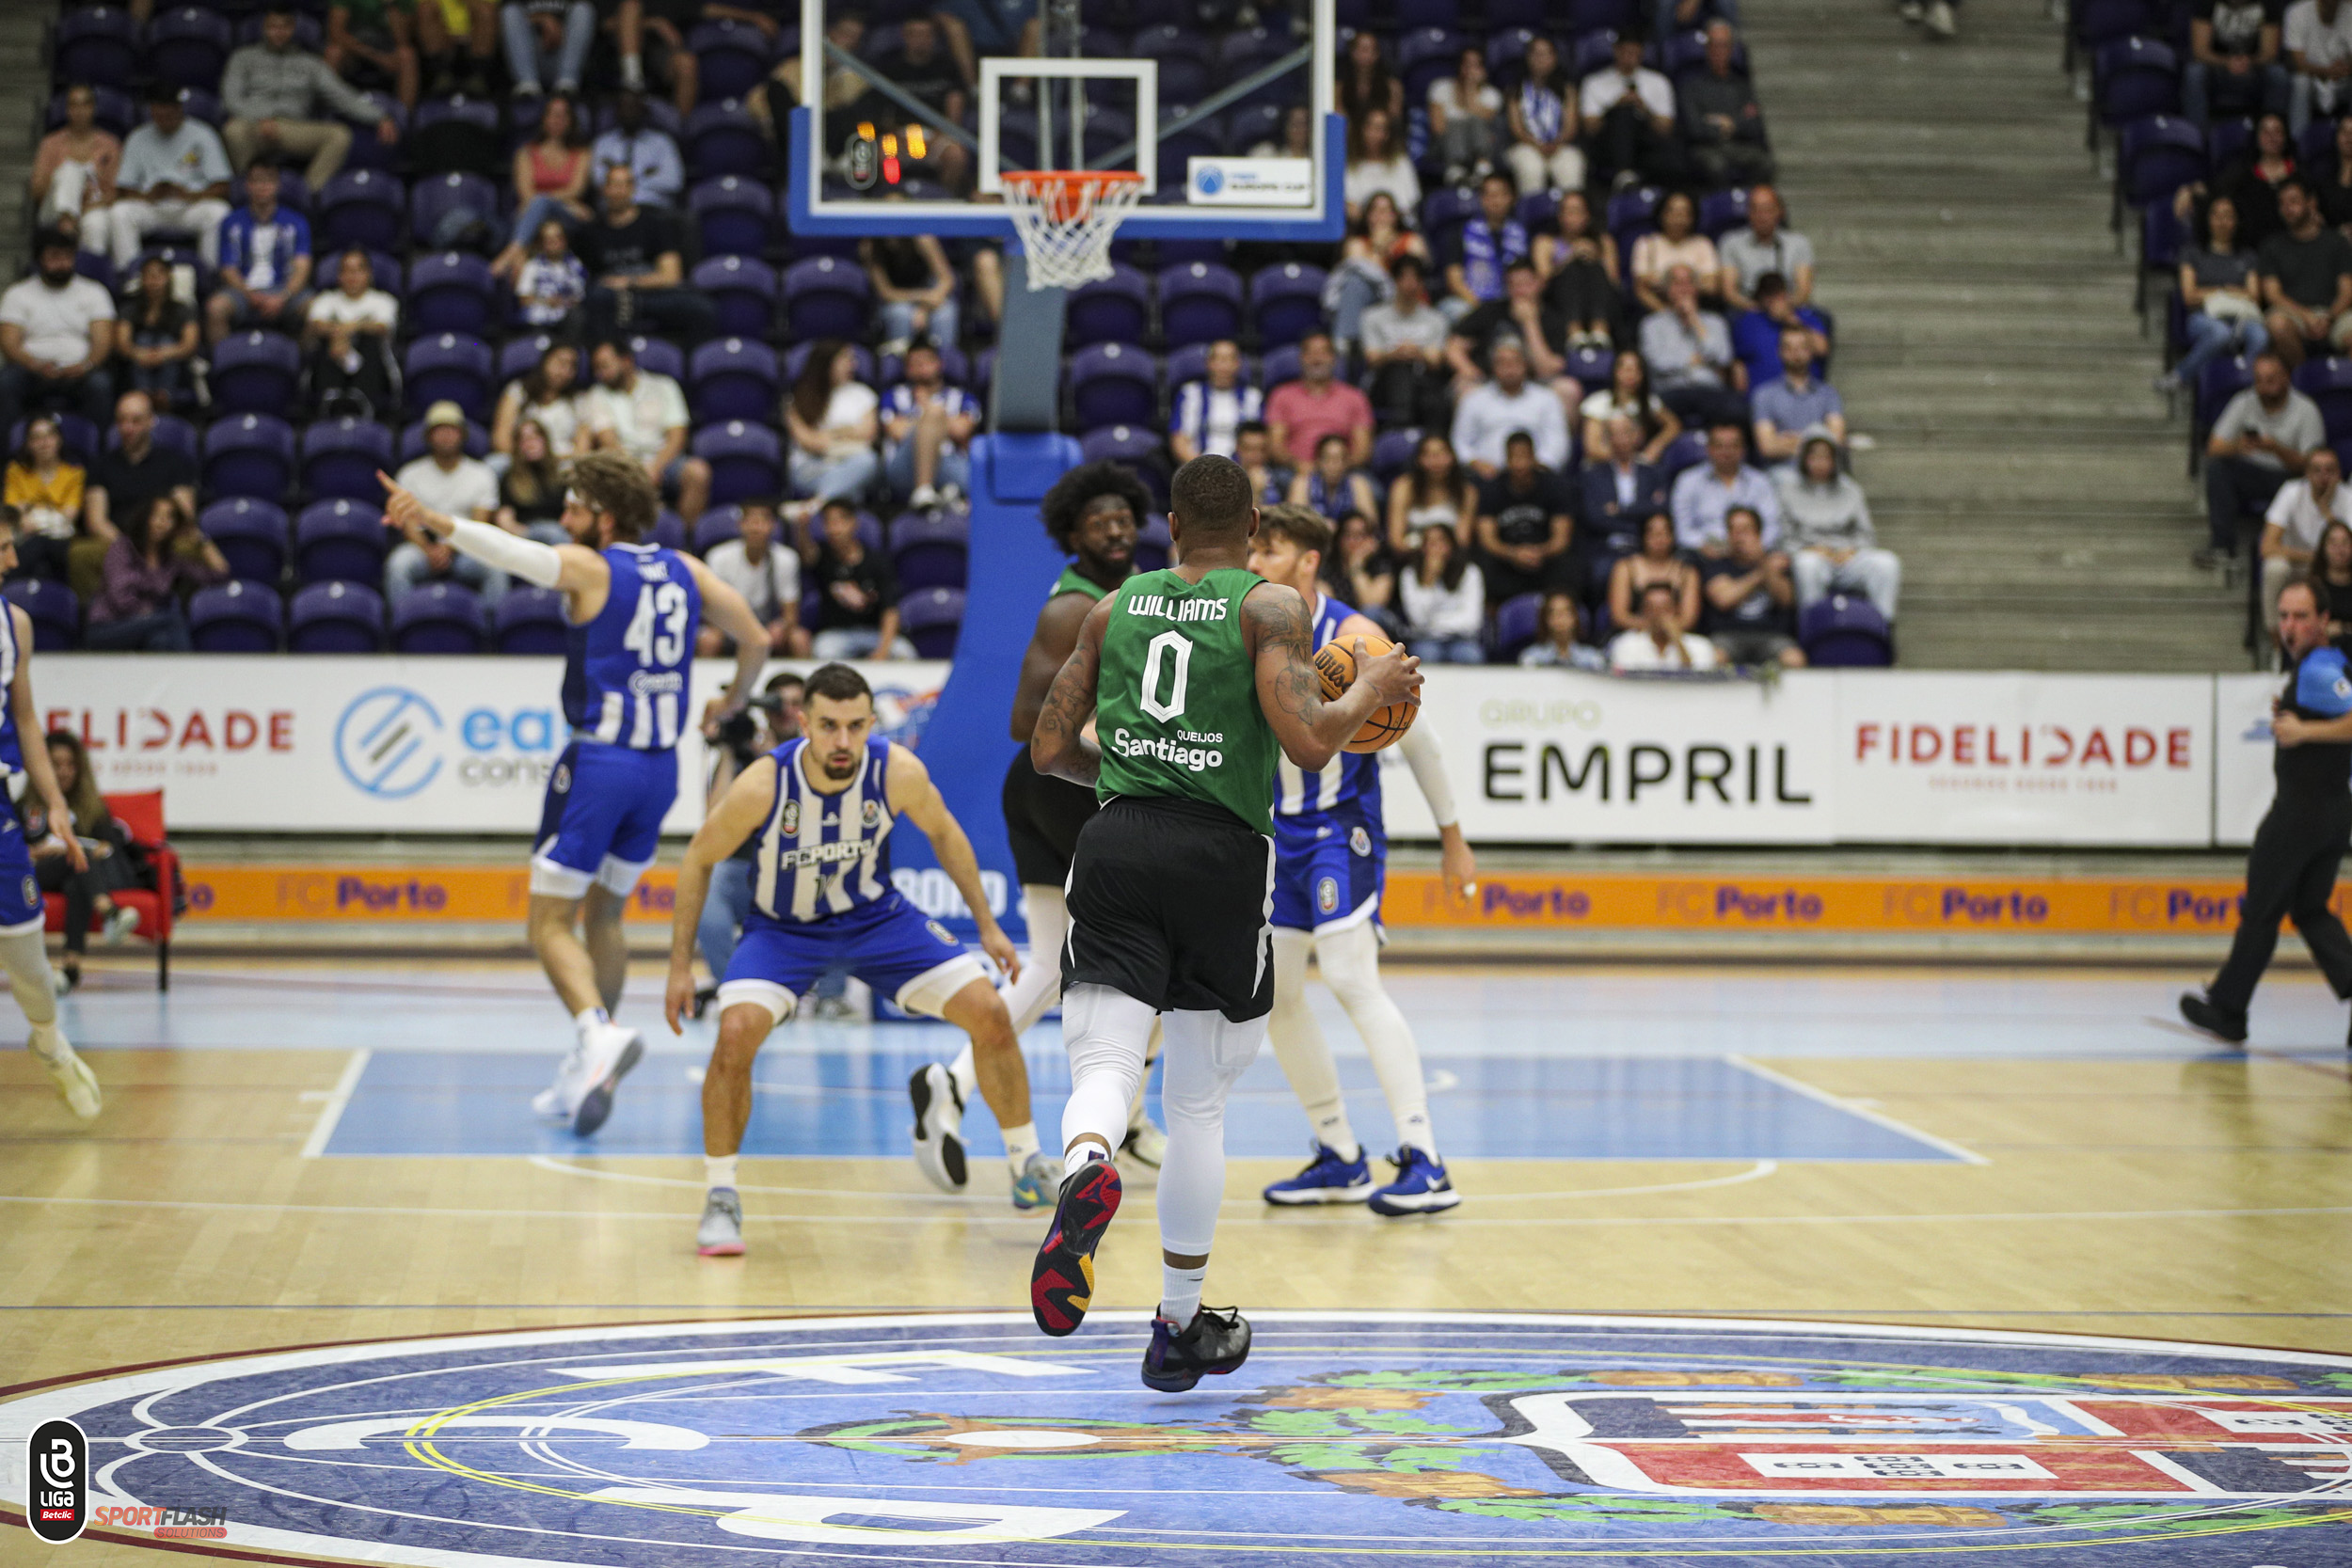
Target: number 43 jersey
(626, 672)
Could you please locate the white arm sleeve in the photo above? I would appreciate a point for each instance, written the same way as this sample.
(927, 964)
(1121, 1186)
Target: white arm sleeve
(1427, 761)
(493, 545)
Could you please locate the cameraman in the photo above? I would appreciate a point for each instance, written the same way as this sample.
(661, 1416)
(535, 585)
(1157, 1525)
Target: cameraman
(765, 722)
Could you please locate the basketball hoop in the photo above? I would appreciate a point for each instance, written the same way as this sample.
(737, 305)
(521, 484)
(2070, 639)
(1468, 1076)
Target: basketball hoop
(1066, 219)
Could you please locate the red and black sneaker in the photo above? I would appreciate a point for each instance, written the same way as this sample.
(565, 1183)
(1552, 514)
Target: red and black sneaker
(1213, 1344)
(1061, 1285)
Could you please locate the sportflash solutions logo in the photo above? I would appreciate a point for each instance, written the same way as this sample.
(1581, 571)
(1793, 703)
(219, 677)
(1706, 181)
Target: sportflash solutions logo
(58, 1497)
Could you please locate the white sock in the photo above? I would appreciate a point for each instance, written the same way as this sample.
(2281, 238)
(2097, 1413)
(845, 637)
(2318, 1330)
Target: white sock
(1205, 1053)
(588, 1018)
(1082, 1155)
(1350, 962)
(1305, 1054)
(1040, 986)
(1020, 1143)
(1179, 1294)
(719, 1170)
(1104, 1032)
(966, 1070)
(25, 956)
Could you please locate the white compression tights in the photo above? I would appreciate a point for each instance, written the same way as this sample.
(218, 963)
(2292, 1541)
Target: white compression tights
(1350, 962)
(27, 963)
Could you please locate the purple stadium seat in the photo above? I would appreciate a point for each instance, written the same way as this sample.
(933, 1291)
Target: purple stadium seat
(98, 44)
(1584, 16)
(2226, 138)
(1425, 54)
(96, 268)
(724, 138)
(733, 57)
(1590, 52)
(451, 292)
(2098, 23)
(732, 378)
(1443, 212)
(2328, 382)
(1633, 212)
(116, 111)
(659, 113)
(412, 440)
(1844, 629)
(248, 455)
(204, 105)
(478, 113)
(437, 618)
(717, 526)
(2154, 157)
(530, 620)
(459, 368)
(341, 541)
(1537, 210)
(1426, 14)
(1177, 148)
(669, 531)
(796, 358)
(1506, 51)
(236, 618)
(336, 618)
(76, 435)
(1287, 302)
(1393, 452)
(1113, 310)
(255, 373)
(1685, 451)
(826, 297)
(1248, 49)
(930, 618)
(384, 268)
(187, 46)
(1280, 365)
(1518, 621)
(340, 457)
(1720, 212)
(1246, 127)
(252, 534)
(432, 199)
(1137, 447)
(1186, 57)
(366, 152)
(746, 459)
(1113, 383)
(1153, 544)
(1684, 51)
(1199, 301)
(734, 215)
(932, 549)
(519, 355)
(658, 354)
(307, 34)
(361, 207)
(54, 609)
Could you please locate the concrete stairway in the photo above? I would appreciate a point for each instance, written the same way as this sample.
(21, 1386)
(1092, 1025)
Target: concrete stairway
(2035, 487)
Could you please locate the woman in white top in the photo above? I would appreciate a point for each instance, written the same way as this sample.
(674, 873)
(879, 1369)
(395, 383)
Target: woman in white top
(1543, 150)
(1627, 393)
(1432, 493)
(1556, 646)
(549, 392)
(834, 417)
(1677, 243)
(1295, 139)
(1444, 600)
(1466, 117)
(1376, 162)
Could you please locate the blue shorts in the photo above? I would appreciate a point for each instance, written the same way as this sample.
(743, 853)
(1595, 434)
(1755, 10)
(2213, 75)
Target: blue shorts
(19, 894)
(888, 944)
(1328, 870)
(601, 825)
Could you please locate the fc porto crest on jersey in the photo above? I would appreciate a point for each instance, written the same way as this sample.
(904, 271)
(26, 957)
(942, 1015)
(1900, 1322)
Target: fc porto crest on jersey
(32, 894)
(562, 782)
(791, 821)
(1359, 841)
(870, 813)
(1328, 894)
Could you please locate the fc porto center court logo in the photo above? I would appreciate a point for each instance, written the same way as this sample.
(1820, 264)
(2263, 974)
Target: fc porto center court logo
(1348, 1438)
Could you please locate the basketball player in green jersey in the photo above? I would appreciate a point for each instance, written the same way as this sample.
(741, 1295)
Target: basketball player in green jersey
(1193, 678)
(1092, 513)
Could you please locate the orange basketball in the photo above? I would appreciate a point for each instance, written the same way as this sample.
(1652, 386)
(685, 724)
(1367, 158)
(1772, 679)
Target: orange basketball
(1337, 666)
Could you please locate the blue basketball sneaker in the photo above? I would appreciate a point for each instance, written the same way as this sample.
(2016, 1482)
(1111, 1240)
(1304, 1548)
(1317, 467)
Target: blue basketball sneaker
(1328, 1179)
(1421, 1186)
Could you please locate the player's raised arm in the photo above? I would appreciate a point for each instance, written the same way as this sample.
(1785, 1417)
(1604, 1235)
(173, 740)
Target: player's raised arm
(913, 797)
(727, 610)
(736, 817)
(37, 768)
(1309, 730)
(570, 569)
(1059, 744)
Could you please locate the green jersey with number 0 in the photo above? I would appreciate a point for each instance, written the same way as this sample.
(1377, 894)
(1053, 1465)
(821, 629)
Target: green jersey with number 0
(1176, 700)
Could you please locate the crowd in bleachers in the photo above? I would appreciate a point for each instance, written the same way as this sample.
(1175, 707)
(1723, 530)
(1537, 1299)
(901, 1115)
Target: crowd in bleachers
(1563, 385)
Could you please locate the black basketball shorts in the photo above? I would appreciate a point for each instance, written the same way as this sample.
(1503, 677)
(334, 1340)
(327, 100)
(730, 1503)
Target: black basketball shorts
(1171, 903)
(1042, 815)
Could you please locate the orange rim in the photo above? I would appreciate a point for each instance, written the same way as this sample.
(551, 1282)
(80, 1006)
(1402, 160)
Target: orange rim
(1066, 195)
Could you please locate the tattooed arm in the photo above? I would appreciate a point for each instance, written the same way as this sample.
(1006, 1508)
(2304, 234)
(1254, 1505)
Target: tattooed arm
(1059, 744)
(1281, 640)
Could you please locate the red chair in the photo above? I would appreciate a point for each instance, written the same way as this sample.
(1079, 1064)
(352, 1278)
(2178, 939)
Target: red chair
(142, 815)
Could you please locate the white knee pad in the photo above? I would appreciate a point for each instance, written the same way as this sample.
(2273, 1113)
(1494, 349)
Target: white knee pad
(26, 960)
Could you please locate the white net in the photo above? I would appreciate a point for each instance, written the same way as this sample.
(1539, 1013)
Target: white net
(1066, 222)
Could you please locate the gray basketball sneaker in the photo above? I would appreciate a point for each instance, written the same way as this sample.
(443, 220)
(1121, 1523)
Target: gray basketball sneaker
(721, 1234)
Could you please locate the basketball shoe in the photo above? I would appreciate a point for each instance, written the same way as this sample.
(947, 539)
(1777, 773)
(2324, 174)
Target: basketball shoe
(1061, 1282)
(721, 1234)
(938, 1130)
(607, 1051)
(1034, 1187)
(1213, 1344)
(1328, 1179)
(76, 1084)
(1421, 1186)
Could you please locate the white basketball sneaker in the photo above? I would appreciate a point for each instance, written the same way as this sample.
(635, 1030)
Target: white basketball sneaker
(720, 1233)
(559, 1100)
(609, 1050)
(76, 1084)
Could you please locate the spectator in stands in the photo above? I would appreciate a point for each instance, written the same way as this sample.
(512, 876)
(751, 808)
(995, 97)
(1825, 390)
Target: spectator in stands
(448, 481)
(1253, 449)
(641, 148)
(929, 73)
(1486, 244)
(348, 336)
(2234, 60)
(1405, 343)
(2307, 279)
(2252, 180)
(1377, 241)
(1750, 599)
(927, 427)
(1578, 264)
(1487, 415)
(46, 491)
(1675, 242)
(1764, 247)
(2318, 38)
(2331, 175)
(1299, 414)
(1376, 161)
(551, 283)
(1656, 561)
(1208, 413)
(546, 39)
(125, 478)
(1786, 408)
(457, 45)
(1359, 573)
(1657, 641)
(549, 395)
(1526, 524)
(643, 413)
(1466, 118)
(1432, 493)
(2257, 445)
(1688, 351)
(2331, 568)
(158, 556)
(110, 867)
(274, 91)
(1365, 81)
(1621, 487)
(1559, 643)
(1443, 596)
(2297, 515)
(634, 254)
(857, 608)
(1628, 395)
(550, 180)
(1755, 334)
(373, 43)
(1293, 139)
(1721, 123)
(56, 335)
(1520, 313)
(1332, 488)
(530, 491)
(2218, 286)
(832, 418)
(915, 289)
(73, 172)
(757, 565)
(1832, 547)
(175, 175)
(1543, 152)
(1629, 114)
(1702, 494)
(156, 337)
(264, 263)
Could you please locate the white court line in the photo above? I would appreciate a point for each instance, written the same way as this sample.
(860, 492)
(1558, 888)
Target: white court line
(1851, 1109)
(337, 1098)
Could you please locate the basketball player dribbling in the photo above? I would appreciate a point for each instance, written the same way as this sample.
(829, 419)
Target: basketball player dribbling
(1194, 678)
(634, 610)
